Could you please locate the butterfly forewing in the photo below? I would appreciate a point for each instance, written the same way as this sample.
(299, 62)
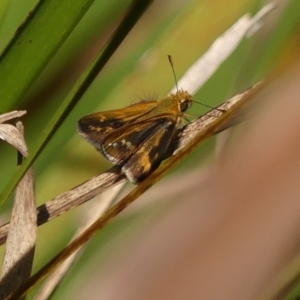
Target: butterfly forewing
(95, 127)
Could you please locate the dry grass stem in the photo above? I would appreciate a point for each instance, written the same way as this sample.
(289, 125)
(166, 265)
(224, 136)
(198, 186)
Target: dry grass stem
(22, 231)
(99, 207)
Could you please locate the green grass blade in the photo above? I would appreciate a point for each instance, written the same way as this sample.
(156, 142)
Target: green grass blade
(35, 42)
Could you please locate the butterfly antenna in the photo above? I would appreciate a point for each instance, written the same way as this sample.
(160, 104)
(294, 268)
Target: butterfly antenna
(208, 106)
(205, 105)
(173, 70)
(174, 74)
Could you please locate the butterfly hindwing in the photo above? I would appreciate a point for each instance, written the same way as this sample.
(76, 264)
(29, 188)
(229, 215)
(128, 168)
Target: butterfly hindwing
(150, 154)
(118, 146)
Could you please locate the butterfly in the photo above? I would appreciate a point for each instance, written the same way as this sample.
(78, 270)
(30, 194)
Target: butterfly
(138, 136)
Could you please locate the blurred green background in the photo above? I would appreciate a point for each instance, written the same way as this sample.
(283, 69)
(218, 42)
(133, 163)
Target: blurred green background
(139, 68)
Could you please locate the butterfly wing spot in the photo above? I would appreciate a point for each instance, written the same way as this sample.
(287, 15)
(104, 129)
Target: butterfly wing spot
(114, 145)
(167, 124)
(127, 144)
(94, 128)
(115, 124)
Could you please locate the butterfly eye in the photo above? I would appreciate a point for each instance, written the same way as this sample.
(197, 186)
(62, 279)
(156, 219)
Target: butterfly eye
(184, 105)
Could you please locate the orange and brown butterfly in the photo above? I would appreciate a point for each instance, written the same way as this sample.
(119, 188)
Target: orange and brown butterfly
(137, 137)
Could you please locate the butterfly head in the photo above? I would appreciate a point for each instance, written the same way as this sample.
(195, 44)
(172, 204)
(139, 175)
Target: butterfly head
(184, 100)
